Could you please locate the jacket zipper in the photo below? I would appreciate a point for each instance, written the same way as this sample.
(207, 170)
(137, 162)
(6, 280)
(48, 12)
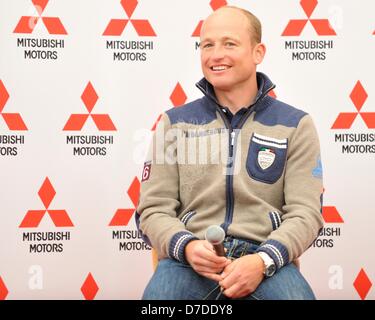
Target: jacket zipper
(229, 176)
(230, 166)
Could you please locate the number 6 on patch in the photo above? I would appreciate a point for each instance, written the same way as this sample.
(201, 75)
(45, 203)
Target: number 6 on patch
(146, 171)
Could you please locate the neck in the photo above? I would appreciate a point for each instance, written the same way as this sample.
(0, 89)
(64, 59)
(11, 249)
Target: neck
(239, 97)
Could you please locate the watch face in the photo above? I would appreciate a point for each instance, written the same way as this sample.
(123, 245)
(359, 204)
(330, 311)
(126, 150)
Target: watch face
(270, 270)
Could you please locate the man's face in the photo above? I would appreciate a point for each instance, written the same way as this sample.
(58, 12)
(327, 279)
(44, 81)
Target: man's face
(227, 52)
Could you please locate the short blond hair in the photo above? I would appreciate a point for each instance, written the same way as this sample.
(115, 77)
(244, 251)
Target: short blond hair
(254, 23)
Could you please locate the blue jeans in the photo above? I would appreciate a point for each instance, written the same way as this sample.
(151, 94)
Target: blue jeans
(173, 280)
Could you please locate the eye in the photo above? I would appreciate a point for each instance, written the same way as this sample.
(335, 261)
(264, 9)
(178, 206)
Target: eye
(229, 44)
(207, 45)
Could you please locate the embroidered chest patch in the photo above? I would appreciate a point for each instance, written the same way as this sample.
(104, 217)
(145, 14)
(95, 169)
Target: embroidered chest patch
(266, 157)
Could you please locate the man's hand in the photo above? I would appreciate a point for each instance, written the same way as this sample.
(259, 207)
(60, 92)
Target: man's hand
(242, 276)
(203, 259)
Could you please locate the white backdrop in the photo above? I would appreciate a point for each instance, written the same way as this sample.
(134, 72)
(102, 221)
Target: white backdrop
(92, 250)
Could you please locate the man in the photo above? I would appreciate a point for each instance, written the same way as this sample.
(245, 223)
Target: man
(266, 195)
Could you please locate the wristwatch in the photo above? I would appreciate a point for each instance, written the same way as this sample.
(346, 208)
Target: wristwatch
(270, 267)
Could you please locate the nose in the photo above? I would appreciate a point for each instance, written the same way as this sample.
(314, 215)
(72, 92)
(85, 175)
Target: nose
(218, 53)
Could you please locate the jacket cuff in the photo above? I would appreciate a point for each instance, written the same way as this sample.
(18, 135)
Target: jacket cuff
(178, 244)
(277, 251)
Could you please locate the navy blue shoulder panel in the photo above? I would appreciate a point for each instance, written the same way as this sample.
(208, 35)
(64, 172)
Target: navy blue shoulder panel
(200, 111)
(276, 112)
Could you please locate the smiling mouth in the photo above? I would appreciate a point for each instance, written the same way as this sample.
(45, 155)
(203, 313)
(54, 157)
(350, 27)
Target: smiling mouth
(219, 68)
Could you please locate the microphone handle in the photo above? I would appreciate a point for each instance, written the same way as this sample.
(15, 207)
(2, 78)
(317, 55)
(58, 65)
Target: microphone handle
(219, 249)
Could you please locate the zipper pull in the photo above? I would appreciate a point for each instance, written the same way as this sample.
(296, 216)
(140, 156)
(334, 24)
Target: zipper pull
(233, 135)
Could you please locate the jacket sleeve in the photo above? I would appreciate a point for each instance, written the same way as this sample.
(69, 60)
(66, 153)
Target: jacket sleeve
(303, 187)
(159, 196)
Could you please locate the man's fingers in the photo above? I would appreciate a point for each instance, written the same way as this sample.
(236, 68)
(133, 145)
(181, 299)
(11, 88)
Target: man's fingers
(232, 292)
(213, 276)
(228, 278)
(202, 264)
(228, 269)
(213, 257)
(212, 253)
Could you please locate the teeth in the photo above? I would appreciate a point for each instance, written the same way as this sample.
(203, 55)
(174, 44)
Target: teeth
(219, 68)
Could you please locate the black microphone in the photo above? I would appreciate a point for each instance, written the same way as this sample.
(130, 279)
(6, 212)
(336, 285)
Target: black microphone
(215, 235)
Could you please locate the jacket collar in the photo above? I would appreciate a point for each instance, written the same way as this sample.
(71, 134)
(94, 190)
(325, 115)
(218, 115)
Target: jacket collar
(265, 85)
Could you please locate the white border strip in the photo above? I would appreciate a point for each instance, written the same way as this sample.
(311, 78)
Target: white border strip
(282, 141)
(270, 144)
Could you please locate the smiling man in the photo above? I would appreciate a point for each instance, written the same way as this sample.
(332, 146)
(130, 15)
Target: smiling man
(230, 51)
(265, 195)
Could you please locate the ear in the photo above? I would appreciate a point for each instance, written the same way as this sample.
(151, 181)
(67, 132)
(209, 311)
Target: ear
(259, 52)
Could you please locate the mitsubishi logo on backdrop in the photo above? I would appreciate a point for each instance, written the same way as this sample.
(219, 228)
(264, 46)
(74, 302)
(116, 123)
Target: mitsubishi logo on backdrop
(312, 49)
(46, 241)
(131, 239)
(354, 142)
(129, 50)
(89, 145)
(321, 26)
(27, 23)
(215, 4)
(40, 48)
(14, 122)
(345, 120)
